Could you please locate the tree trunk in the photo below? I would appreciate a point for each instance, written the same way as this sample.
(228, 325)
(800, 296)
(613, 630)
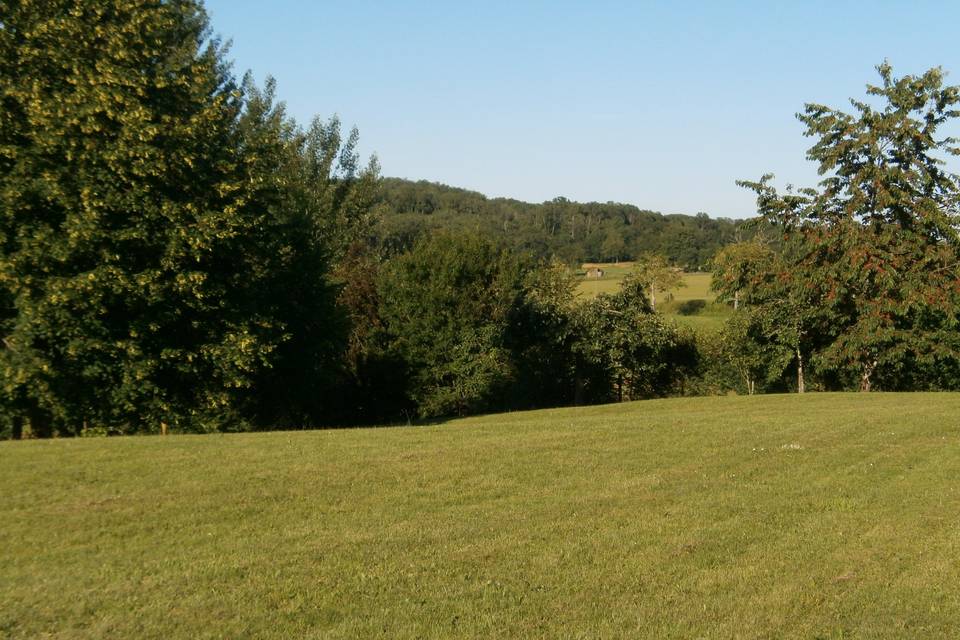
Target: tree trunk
(865, 376)
(801, 387)
(40, 423)
(653, 297)
(163, 428)
(736, 300)
(17, 427)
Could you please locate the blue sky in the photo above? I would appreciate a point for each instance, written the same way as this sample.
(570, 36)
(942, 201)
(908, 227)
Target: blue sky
(663, 105)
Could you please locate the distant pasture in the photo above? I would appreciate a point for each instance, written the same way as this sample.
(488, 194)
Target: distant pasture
(676, 304)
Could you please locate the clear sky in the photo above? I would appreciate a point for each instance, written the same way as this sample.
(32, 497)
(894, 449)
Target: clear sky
(663, 105)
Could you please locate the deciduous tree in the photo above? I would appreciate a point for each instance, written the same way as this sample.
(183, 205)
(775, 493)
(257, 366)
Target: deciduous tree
(875, 245)
(163, 230)
(655, 274)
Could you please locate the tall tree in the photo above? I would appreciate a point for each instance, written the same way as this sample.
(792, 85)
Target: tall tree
(144, 220)
(318, 200)
(877, 242)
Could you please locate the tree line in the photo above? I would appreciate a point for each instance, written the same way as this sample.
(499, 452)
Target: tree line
(177, 254)
(572, 232)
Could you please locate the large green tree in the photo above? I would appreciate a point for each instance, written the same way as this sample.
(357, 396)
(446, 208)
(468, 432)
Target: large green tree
(317, 197)
(154, 222)
(626, 351)
(873, 251)
(783, 318)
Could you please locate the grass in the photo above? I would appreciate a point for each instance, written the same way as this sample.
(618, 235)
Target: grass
(696, 287)
(708, 321)
(613, 273)
(817, 516)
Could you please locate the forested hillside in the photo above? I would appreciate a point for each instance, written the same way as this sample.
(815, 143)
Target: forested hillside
(574, 232)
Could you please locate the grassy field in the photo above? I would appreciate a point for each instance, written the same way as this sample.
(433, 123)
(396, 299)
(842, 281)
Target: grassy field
(696, 287)
(817, 516)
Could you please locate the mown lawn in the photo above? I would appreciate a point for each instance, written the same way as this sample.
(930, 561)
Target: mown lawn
(817, 516)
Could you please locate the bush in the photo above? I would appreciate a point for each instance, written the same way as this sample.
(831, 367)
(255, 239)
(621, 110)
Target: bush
(691, 307)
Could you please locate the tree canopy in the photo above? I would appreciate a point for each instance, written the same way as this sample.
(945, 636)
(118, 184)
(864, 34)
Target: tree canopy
(155, 217)
(868, 279)
(570, 231)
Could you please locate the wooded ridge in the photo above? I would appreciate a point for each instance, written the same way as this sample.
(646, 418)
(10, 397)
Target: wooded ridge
(573, 232)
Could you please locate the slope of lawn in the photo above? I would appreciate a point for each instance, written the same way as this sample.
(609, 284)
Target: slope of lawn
(817, 516)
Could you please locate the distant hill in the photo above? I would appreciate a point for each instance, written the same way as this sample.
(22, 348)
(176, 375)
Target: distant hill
(574, 232)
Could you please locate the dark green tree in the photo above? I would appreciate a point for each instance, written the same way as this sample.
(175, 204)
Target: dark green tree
(447, 306)
(541, 337)
(318, 200)
(626, 351)
(161, 233)
(125, 219)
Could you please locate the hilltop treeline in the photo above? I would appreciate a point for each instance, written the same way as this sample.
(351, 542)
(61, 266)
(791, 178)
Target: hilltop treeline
(573, 232)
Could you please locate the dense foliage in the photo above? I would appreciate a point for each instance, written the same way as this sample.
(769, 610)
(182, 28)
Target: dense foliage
(473, 327)
(866, 286)
(163, 231)
(573, 232)
(176, 253)
(630, 351)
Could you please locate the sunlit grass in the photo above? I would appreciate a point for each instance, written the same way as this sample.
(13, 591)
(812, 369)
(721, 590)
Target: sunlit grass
(818, 516)
(696, 287)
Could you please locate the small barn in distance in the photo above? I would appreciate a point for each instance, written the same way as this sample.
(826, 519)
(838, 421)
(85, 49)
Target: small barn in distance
(595, 272)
